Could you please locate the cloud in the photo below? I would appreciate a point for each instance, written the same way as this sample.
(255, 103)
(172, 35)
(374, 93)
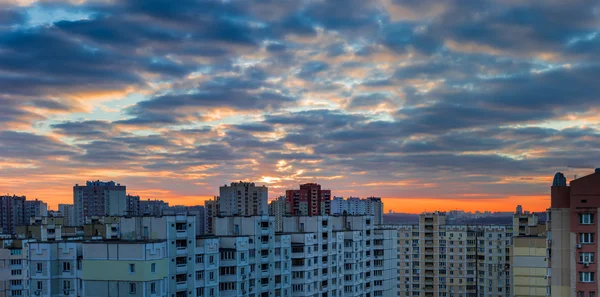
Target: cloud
(460, 96)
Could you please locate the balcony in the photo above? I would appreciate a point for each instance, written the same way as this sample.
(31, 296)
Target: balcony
(181, 286)
(181, 251)
(181, 234)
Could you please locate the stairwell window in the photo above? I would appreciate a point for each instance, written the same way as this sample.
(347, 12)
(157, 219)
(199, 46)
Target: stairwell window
(586, 277)
(131, 268)
(586, 237)
(586, 218)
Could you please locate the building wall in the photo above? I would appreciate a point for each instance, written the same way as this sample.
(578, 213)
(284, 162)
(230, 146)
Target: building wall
(529, 267)
(99, 199)
(243, 198)
(68, 213)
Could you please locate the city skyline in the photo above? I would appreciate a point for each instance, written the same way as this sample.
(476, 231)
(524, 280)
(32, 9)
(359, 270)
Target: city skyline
(431, 105)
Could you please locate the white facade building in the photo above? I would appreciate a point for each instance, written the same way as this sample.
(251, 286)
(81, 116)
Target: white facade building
(355, 206)
(278, 209)
(243, 199)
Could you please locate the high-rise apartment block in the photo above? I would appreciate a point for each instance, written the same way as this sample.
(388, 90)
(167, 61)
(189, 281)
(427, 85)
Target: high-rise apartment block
(309, 200)
(243, 199)
(133, 205)
(35, 208)
(529, 266)
(573, 236)
(12, 213)
(162, 256)
(437, 259)
(277, 209)
(67, 211)
(211, 211)
(355, 206)
(151, 207)
(98, 198)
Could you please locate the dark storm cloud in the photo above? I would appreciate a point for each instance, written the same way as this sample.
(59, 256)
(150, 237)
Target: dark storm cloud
(87, 129)
(41, 60)
(28, 146)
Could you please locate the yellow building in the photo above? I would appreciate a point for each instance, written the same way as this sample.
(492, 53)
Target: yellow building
(529, 266)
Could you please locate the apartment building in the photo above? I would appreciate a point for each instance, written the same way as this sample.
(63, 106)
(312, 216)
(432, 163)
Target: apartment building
(12, 213)
(152, 207)
(124, 268)
(14, 268)
(34, 208)
(42, 229)
(97, 198)
(371, 206)
(309, 200)
(529, 266)
(443, 260)
(133, 205)
(277, 209)
(67, 211)
(211, 211)
(572, 236)
(268, 259)
(243, 199)
(342, 256)
(53, 268)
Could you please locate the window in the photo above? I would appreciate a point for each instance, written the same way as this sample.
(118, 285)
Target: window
(211, 276)
(586, 257)
(39, 267)
(199, 275)
(66, 285)
(15, 272)
(592, 294)
(153, 287)
(131, 268)
(40, 285)
(586, 218)
(199, 258)
(586, 237)
(153, 267)
(66, 266)
(586, 277)
(132, 288)
(211, 260)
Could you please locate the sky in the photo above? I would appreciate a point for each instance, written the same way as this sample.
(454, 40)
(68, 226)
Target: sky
(432, 105)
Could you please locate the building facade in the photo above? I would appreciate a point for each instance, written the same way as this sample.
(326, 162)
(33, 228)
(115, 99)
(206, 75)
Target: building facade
(67, 211)
(572, 236)
(151, 207)
(355, 206)
(12, 213)
(309, 200)
(277, 209)
(211, 211)
(529, 266)
(34, 208)
(98, 198)
(243, 199)
(437, 259)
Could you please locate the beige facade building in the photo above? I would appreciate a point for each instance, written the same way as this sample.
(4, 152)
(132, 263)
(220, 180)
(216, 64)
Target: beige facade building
(529, 266)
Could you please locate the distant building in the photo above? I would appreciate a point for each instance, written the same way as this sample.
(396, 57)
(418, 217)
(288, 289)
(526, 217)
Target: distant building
(573, 236)
(277, 209)
(98, 198)
(12, 213)
(309, 200)
(526, 224)
(211, 211)
(519, 209)
(243, 199)
(133, 205)
(152, 207)
(35, 208)
(67, 211)
(371, 206)
(437, 259)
